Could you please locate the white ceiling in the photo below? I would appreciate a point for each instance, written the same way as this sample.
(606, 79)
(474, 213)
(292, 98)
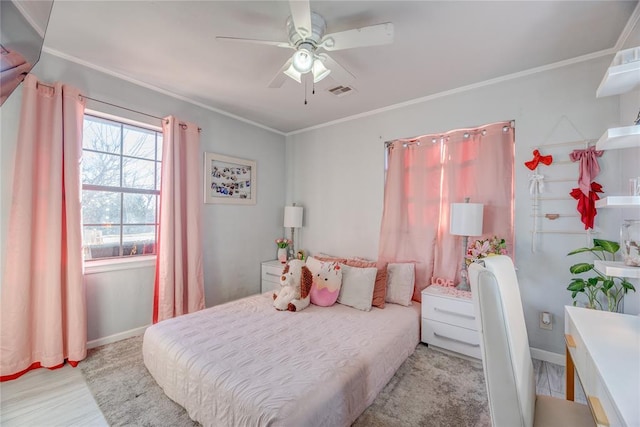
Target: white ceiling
(439, 46)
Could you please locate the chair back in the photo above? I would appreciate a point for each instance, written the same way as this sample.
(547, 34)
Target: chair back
(504, 343)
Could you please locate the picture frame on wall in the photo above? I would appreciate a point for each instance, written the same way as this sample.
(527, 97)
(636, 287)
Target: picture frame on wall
(229, 180)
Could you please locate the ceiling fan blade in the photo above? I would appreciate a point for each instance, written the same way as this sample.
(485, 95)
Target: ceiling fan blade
(373, 35)
(279, 79)
(255, 41)
(338, 72)
(301, 15)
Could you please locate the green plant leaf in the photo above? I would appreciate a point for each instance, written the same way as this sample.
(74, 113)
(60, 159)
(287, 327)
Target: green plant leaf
(582, 267)
(576, 286)
(607, 245)
(607, 284)
(593, 281)
(579, 251)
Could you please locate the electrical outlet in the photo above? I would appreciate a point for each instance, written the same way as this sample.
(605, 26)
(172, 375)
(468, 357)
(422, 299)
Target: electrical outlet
(546, 320)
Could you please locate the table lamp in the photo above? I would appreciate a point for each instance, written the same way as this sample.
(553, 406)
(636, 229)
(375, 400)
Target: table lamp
(466, 220)
(293, 220)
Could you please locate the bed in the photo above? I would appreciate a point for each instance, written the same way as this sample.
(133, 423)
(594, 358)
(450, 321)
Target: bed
(244, 363)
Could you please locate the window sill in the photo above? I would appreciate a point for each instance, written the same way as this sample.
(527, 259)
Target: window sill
(115, 264)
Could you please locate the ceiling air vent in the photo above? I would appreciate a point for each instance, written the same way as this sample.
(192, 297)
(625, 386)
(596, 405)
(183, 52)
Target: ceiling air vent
(341, 90)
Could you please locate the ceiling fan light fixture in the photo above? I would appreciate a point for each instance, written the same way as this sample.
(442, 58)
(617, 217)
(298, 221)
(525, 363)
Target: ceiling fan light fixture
(302, 60)
(293, 73)
(319, 71)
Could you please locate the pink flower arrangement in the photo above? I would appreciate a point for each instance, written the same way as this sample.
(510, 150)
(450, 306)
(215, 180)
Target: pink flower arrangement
(485, 248)
(282, 243)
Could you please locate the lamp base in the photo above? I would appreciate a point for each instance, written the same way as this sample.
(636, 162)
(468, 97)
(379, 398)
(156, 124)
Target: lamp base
(291, 250)
(464, 281)
(463, 286)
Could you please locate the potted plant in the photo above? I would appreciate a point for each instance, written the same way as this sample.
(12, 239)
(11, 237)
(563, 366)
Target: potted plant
(611, 288)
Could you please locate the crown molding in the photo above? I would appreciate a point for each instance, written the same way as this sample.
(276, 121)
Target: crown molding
(461, 89)
(560, 64)
(112, 73)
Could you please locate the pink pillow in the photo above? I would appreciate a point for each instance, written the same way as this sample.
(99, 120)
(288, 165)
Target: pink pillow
(329, 258)
(327, 280)
(380, 288)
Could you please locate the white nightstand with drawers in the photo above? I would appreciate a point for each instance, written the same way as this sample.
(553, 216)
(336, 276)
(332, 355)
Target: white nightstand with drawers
(448, 321)
(270, 277)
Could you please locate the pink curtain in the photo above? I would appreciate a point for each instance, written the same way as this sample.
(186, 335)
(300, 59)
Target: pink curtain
(425, 176)
(411, 215)
(179, 282)
(43, 315)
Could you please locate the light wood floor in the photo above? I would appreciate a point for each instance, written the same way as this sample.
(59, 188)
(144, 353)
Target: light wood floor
(49, 398)
(62, 398)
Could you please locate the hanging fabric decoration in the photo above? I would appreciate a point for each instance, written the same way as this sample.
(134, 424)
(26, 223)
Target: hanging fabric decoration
(587, 204)
(538, 158)
(589, 167)
(536, 186)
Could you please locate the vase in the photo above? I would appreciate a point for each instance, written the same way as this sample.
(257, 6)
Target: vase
(630, 242)
(282, 255)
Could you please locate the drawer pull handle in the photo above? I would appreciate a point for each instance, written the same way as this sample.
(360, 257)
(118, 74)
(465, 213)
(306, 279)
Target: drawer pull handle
(598, 411)
(274, 275)
(456, 340)
(570, 341)
(454, 313)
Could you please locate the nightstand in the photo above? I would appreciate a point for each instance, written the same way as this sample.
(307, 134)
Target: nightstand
(448, 321)
(270, 277)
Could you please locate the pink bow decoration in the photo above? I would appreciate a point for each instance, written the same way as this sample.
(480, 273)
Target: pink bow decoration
(589, 167)
(538, 158)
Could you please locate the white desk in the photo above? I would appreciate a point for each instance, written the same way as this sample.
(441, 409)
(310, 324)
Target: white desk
(604, 347)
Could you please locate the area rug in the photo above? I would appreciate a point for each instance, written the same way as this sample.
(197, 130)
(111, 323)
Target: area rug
(430, 389)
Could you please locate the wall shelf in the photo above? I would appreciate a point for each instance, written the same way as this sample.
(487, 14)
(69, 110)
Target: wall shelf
(617, 269)
(616, 138)
(618, 202)
(623, 75)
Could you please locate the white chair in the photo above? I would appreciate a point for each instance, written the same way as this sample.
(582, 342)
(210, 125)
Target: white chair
(506, 358)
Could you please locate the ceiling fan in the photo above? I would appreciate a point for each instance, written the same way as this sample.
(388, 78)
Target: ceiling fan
(306, 30)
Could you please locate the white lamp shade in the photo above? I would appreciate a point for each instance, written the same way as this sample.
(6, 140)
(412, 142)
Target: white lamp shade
(466, 219)
(293, 216)
(319, 71)
(293, 73)
(302, 60)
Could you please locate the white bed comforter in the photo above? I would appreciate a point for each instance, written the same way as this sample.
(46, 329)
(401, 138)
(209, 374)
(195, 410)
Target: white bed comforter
(246, 364)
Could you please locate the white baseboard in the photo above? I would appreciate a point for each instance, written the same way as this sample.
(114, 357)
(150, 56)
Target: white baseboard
(548, 356)
(117, 337)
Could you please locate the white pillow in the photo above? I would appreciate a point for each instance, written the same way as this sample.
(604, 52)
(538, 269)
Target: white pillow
(357, 287)
(400, 282)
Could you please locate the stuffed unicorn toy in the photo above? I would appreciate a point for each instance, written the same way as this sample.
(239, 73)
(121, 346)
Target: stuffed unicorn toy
(295, 284)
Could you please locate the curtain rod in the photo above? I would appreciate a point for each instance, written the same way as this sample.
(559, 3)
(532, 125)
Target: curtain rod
(124, 108)
(512, 125)
(162, 119)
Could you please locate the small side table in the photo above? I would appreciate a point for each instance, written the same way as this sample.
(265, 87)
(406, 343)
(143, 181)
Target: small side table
(448, 321)
(270, 277)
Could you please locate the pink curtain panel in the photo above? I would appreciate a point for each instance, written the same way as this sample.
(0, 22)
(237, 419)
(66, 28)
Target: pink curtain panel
(43, 315)
(424, 179)
(179, 281)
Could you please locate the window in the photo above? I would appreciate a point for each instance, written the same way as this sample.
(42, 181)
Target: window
(120, 188)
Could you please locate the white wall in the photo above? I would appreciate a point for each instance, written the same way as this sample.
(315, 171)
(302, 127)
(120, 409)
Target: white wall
(336, 172)
(236, 237)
